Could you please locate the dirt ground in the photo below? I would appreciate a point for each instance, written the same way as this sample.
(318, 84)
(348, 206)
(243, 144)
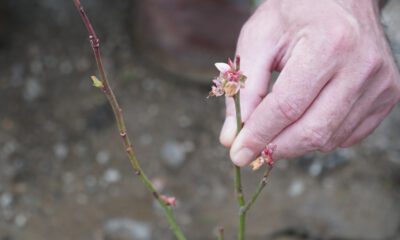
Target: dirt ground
(64, 174)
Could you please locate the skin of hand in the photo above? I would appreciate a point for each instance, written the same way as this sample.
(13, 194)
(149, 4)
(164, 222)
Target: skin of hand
(338, 79)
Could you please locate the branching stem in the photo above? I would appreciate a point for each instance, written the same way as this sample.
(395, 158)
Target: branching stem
(260, 187)
(95, 44)
(243, 206)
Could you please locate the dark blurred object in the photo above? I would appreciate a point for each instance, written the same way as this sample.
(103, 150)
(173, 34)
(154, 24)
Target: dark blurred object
(4, 17)
(186, 36)
(15, 17)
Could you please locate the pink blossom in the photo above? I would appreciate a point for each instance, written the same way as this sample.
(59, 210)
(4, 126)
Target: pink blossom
(230, 79)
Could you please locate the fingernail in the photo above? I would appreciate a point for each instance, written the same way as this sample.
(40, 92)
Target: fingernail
(228, 132)
(242, 157)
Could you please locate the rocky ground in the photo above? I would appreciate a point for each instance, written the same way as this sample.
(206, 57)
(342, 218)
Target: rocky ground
(64, 175)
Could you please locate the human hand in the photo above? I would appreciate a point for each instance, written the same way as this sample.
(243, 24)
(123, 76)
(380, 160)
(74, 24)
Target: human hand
(337, 81)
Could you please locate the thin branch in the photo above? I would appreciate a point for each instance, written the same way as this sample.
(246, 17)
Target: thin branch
(238, 180)
(221, 233)
(257, 192)
(95, 44)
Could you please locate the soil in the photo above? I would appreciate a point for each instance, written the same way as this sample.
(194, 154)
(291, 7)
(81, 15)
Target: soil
(64, 174)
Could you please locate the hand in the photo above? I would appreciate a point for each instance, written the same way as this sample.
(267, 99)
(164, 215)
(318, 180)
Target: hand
(337, 81)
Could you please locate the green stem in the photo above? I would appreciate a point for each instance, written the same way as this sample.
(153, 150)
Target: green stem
(221, 234)
(257, 192)
(122, 126)
(238, 180)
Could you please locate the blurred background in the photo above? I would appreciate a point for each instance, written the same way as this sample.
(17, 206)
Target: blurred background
(64, 174)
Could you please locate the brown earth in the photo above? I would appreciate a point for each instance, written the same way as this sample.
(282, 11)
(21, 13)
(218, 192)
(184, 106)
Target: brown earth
(64, 175)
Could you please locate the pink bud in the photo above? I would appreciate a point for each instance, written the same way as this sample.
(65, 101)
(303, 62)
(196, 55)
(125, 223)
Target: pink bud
(237, 61)
(265, 157)
(169, 200)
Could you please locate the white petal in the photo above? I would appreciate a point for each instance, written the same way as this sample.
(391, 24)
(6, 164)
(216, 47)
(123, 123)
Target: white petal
(222, 67)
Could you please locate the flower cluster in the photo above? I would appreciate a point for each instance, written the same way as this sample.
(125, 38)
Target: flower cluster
(264, 158)
(230, 79)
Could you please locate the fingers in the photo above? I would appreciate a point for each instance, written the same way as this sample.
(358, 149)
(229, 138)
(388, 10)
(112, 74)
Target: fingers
(299, 83)
(365, 128)
(314, 131)
(376, 100)
(257, 50)
(343, 114)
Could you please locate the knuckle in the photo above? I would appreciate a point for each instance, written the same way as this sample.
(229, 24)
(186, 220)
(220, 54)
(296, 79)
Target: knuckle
(341, 38)
(314, 138)
(288, 109)
(373, 62)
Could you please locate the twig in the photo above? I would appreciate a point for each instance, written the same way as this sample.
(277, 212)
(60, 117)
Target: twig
(257, 192)
(95, 44)
(238, 180)
(221, 233)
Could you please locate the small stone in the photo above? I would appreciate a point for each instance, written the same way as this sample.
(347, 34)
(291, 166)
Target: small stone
(103, 157)
(20, 220)
(126, 229)
(296, 188)
(32, 90)
(6, 199)
(61, 150)
(174, 153)
(315, 169)
(111, 176)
